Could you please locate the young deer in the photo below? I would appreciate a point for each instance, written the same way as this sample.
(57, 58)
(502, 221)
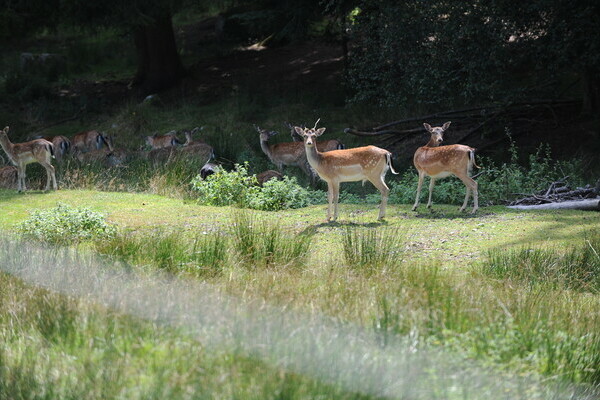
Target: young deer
(288, 153)
(8, 177)
(90, 140)
(21, 154)
(359, 164)
(162, 141)
(440, 162)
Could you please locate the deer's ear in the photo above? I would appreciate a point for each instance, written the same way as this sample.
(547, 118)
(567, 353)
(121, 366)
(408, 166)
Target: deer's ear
(427, 126)
(446, 125)
(299, 131)
(319, 131)
(5, 130)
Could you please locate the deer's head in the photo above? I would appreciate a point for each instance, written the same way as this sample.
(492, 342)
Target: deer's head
(309, 134)
(437, 133)
(264, 134)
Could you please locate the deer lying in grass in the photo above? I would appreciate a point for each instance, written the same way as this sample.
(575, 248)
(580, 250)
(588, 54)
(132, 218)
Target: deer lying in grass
(267, 175)
(439, 162)
(90, 140)
(359, 164)
(21, 154)
(8, 177)
(162, 141)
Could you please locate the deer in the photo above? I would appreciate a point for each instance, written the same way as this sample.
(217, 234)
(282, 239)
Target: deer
(325, 145)
(8, 177)
(287, 153)
(162, 141)
(438, 162)
(188, 137)
(62, 146)
(349, 165)
(86, 141)
(267, 175)
(21, 154)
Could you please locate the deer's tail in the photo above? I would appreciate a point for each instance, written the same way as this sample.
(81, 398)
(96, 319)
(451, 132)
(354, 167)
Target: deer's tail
(388, 157)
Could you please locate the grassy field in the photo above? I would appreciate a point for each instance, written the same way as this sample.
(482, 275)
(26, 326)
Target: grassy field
(423, 277)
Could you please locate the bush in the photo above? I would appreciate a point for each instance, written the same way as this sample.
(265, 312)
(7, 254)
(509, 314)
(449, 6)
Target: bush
(66, 224)
(239, 189)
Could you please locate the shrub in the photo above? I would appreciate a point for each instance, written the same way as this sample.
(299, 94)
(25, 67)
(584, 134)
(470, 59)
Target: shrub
(240, 189)
(66, 224)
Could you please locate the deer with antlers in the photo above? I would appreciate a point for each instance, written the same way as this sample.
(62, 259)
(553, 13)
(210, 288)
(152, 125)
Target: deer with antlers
(368, 163)
(438, 162)
(21, 154)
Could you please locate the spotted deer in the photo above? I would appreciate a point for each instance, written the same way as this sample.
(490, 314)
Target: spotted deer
(325, 145)
(21, 154)
(359, 164)
(438, 162)
(287, 153)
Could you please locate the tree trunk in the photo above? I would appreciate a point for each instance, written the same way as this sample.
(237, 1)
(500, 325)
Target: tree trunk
(591, 91)
(159, 65)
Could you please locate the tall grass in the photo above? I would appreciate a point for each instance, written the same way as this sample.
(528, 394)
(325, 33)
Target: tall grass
(199, 254)
(260, 244)
(577, 267)
(369, 250)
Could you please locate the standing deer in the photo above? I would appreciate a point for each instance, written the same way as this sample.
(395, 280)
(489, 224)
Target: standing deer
(325, 145)
(359, 164)
(21, 154)
(288, 153)
(90, 140)
(62, 146)
(440, 162)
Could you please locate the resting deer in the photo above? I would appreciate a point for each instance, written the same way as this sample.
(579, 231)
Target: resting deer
(288, 153)
(162, 141)
(90, 140)
(21, 154)
(440, 162)
(359, 164)
(8, 177)
(188, 137)
(267, 175)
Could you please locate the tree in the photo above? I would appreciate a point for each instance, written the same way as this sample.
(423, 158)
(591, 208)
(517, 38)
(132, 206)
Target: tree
(444, 53)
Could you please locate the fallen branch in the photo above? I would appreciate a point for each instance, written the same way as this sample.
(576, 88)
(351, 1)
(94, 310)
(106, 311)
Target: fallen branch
(585, 205)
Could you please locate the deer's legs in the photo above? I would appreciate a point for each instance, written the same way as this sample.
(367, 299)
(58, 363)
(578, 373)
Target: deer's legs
(379, 183)
(471, 186)
(431, 185)
(50, 176)
(336, 197)
(21, 178)
(419, 186)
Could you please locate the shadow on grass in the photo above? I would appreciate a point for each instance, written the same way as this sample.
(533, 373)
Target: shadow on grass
(312, 229)
(10, 194)
(444, 214)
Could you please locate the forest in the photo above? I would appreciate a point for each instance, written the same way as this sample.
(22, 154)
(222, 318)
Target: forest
(337, 199)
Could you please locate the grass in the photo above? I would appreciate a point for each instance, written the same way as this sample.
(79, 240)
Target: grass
(442, 278)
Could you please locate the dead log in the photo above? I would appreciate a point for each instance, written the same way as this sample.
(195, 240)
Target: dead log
(585, 205)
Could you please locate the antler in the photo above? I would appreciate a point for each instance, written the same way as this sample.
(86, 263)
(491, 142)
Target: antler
(315, 127)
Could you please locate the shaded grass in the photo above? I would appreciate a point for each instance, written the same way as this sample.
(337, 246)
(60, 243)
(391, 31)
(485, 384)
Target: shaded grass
(577, 267)
(369, 250)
